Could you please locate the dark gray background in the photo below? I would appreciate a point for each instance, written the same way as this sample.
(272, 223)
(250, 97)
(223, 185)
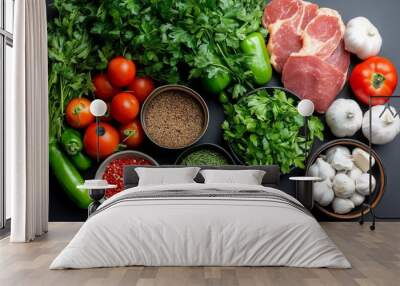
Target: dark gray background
(384, 14)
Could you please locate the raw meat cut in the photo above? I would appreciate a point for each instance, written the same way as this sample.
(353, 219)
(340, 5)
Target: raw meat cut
(340, 59)
(285, 20)
(316, 79)
(280, 10)
(313, 78)
(283, 44)
(323, 34)
(306, 45)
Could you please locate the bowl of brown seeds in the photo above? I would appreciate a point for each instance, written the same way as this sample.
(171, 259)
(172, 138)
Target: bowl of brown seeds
(174, 116)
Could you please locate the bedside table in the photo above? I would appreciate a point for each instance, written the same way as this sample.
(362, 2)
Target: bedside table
(304, 191)
(97, 189)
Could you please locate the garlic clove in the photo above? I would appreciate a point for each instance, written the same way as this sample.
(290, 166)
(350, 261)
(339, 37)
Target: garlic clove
(342, 206)
(357, 199)
(354, 173)
(361, 159)
(323, 193)
(362, 184)
(343, 186)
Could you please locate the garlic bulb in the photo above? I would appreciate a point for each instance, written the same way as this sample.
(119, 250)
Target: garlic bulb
(340, 161)
(322, 170)
(323, 193)
(385, 125)
(362, 38)
(357, 199)
(362, 184)
(354, 173)
(344, 117)
(343, 186)
(361, 159)
(331, 151)
(342, 206)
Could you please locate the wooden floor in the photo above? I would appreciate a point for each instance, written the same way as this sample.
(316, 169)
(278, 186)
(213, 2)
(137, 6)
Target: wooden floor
(375, 257)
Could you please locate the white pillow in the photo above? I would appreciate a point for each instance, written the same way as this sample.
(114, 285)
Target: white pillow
(247, 177)
(166, 176)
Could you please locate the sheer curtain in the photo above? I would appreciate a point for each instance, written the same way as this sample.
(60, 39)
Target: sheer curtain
(27, 124)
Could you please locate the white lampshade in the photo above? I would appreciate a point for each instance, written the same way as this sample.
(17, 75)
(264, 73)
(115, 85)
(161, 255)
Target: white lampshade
(98, 107)
(305, 107)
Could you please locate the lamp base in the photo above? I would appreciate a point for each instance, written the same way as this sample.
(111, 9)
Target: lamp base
(365, 206)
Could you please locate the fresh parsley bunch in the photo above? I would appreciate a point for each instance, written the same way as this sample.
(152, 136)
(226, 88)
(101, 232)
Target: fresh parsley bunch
(172, 41)
(266, 129)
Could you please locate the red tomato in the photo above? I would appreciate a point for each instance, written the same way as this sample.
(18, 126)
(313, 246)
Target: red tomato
(107, 117)
(124, 107)
(103, 88)
(78, 114)
(132, 134)
(374, 77)
(108, 139)
(142, 87)
(121, 71)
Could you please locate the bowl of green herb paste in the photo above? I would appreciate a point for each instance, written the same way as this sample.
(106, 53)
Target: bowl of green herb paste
(206, 154)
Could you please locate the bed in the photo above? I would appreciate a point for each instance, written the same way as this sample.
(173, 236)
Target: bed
(198, 224)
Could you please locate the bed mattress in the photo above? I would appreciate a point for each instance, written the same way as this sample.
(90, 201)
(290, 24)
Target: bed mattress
(201, 225)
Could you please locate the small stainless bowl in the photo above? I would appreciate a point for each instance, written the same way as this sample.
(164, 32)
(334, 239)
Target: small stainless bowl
(183, 89)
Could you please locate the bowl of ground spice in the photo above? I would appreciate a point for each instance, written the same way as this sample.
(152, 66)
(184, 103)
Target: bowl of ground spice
(174, 116)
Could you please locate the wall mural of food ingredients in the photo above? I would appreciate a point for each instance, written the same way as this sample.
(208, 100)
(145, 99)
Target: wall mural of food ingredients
(145, 58)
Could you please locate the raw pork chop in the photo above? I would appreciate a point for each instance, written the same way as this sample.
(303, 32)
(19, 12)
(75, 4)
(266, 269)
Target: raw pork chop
(323, 34)
(314, 78)
(340, 59)
(285, 20)
(306, 45)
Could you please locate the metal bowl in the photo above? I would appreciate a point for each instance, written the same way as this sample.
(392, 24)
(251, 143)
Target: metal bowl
(377, 170)
(204, 146)
(123, 155)
(183, 89)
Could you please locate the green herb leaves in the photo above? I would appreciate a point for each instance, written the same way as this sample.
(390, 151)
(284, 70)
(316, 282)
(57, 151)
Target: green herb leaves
(171, 40)
(266, 129)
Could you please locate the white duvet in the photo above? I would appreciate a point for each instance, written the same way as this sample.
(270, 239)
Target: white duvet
(203, 231)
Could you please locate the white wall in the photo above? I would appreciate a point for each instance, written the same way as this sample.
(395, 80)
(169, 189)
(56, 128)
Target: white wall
(8, 85)
(9, 13)
(9, 19)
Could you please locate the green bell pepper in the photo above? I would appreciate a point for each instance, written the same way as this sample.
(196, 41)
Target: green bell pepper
(68, 176)
(217, 83)
(71, 140)
(254, 46)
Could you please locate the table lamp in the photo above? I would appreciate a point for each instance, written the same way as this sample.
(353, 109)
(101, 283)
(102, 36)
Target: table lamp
(98, 108)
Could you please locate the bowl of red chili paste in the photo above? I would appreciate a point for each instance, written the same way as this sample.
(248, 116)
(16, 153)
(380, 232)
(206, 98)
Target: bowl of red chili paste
(112, 169)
